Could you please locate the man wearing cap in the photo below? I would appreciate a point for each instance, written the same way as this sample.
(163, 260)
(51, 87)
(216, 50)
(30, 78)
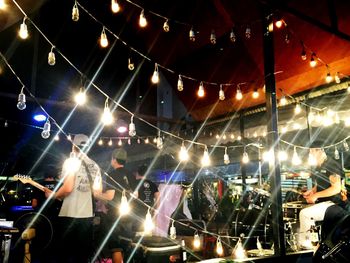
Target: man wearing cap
(119, 179)
(325, 193)
(76, 215)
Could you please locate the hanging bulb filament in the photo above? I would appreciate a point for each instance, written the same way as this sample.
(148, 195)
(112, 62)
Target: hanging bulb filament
(46, 130)
(21, 104)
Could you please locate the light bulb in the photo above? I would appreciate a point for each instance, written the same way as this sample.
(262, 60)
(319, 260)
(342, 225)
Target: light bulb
(166, 26)
(312, 159)
(282, 156)
(148, 224)
(131, 65)
(120, 143)
(138, 140)
(97, 185)
(297, 108)
(75, 12)
(124, 207)
(107, 117)
(346, 146)
(180, 84)
(239, 137)
(267, 155)
(248, 32)
(232, 36)
(226, 157)
(279, 23)
(147, 141)
(336, 154)
(329, 77)
(100, 142)
(347, 122)
(313, 62)
(205, 159)
(132, 128)
(303, 54)
(239, 251)
(103, 39)
(283, 101)
(255, 94)
(115, 6)
(224, 137)
(159, 142)
(69, 137)
(23, 30)
(337, 78)
(46, 130)
(142, 20)
(245, 158)
(296, 159)
(270, 27)
(80, 97)
(212, 37)
(155, 76)
(110, 143)
(21, 104)
(192, 35)
(221, 93)
(232, 136)
(217, 136)
(219, 248)
(2, 5)
(72, 164)
(196, 241)
(239, 94)
(200, 91)
(51, 58)
(172, 231)
(255, 135)
(183, 154)
(56, 138)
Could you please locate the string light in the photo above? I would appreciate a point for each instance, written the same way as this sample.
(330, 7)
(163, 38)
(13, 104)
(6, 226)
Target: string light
(226, 157)
(148, 224)
(259, 247)
(172, 231)
(337, 78)
(21, 104)
(180, 84)
(138, 140)
(147, 141)
(183, 154)
(201, 91)
(120, 143)
(80, 97)
(155, 76)
(159, 141)
(23, 29)
(124, 207)
(75, 12)
(46, 130)
(313, 62)
(2, 5)
(297, 108)
(239, 137)
(192, 35)
(329, 77)
(100, 142)
(295, 158)
(312, 159)
(267, 156)
(110, 143)
(219, 248)
(279, 23)
(129, 141)
(282, 156)
(72, 164)
(107, 117)
(103, 39)
(245, 157)
(132, 127)
(239, 94)
(336, 153)
(51, 58)
(232, 36)
(221, 93)
(239, 251)
(303, 54)
(196, 241)
(205, 159)
(248, 32)
(131, 65)
(255, 94)
(97, 185)
(115, 6)
(166, 26)
(212, 37)
(56, 138)
(142, 20)
(346, 146)
(283, 101)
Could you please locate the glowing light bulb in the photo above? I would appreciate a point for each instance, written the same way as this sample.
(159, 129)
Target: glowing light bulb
(245, 158)
(296, 159)
(297, 108)
(312, 159)
(232, 36)
(110, 143)
(172, 231)
(115, 6)
(196, 241)
(347, 122)
(283, 101)
(120, 143)
(212, 37)
(348, 88)
(337, 78)
(46, 130)
(69, 137)
(107, 117)
(80, 97)
(103, 39)
(75, 12)
(147, 141)
(279, 23)
(303, 54)
(267, 156)
(2, 5)
(132, 127)
(205, 159)
(166, 26)
(255, 94)
(239, 94)
(346, 146)
(142, 20)
(336, 153)
(226, 157)
(97, 185)
(248, 32)
(192, 35)
(219, 248)
(255, 135)
(131, 65)
(329, 77)
(239, 137)
(270, 27)
(21, 104)
(180, 84)
(259, 247)
(221, 93)
(159, 142)
(23, 30)
(224, 136)
(183, 154)
(124, 207)
(313, 62)
(239, 251)
(72, 164)
(148, 224)
(282, 156)
(56, 138)
(155, 76)
(201, 91)
(100, 142)
(51, 58)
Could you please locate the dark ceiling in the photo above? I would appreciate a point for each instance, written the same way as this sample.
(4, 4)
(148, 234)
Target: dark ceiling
(322, 25)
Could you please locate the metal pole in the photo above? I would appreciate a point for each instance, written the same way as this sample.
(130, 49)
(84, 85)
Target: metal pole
(272, 135)
(243, 165)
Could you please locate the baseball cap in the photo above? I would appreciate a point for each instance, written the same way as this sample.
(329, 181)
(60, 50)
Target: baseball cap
(120, 154)
(80, 140)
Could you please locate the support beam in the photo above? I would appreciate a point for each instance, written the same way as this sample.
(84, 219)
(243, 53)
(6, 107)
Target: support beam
(243, 165)
(272, 135)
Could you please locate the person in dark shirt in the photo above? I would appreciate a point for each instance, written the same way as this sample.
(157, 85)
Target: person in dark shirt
(326, 191)
(119, 179)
